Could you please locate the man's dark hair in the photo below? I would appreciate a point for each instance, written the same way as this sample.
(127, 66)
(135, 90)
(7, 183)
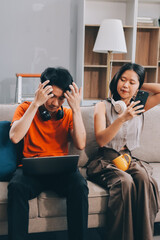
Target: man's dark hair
(129, 66)
(59, 77)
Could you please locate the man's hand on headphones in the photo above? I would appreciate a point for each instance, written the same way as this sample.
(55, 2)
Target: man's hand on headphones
(43, 93)
(74, 97)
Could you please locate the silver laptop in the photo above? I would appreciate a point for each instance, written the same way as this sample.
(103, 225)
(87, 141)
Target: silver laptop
(50, 165)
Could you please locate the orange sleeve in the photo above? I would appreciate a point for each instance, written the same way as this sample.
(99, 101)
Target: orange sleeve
(20, 110)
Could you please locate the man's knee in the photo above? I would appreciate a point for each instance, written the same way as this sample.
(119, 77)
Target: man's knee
(16, 189)
(79, 186)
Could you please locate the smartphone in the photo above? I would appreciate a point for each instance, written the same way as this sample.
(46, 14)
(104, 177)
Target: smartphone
(142, 97)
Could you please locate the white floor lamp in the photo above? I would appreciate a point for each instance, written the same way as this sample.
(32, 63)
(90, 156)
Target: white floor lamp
(110, 39)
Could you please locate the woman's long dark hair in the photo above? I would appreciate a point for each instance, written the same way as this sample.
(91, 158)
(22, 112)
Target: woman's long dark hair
(129, 66)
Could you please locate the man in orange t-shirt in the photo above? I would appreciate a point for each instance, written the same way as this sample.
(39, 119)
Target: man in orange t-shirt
(45, 127)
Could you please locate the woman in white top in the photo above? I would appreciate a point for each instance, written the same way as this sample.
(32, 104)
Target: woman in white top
(133, 201)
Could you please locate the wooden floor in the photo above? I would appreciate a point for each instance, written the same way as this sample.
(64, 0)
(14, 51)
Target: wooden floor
(93, 234)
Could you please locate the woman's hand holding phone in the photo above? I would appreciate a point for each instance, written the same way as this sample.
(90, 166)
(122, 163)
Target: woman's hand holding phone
(142, 97)
(136, 107)
(131, 111)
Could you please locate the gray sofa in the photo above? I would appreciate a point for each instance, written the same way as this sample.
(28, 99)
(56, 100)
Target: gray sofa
(48, 211)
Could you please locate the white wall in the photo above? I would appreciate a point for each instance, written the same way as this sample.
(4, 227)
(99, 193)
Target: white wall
(96, 11)
(35, 34)
(149, 9)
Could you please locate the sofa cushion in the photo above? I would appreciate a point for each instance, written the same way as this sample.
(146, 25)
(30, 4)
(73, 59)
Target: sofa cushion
(98, 198)
(156, 176)
(8, 152)
(33, 211)
(156, 173)
(7, 111)
(149, 149)
(50, 204)
(91, 145)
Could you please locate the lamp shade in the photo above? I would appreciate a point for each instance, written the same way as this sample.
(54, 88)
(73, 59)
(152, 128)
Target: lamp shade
(110, 37)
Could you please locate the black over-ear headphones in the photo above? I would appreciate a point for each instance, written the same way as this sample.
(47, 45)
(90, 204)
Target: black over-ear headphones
(45, 115)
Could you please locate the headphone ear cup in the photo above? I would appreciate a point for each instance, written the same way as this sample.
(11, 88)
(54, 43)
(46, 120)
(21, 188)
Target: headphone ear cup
(60, 114)
(120, 106)
(45, 115)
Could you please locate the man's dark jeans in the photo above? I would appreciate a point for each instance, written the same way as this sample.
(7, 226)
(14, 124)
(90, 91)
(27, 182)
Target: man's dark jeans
(23, 188)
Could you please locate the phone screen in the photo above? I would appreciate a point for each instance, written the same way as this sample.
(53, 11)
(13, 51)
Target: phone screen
(142, 97)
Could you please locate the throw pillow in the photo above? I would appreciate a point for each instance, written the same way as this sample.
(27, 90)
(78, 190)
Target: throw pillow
(8, 152)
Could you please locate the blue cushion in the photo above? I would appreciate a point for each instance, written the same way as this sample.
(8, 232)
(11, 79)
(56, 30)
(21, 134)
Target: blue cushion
(8, 152)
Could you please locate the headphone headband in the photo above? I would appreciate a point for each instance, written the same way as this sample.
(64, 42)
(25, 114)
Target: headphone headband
(119, 106)
(45, 114)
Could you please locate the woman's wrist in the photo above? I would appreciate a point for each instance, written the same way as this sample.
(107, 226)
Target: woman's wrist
(121, 119)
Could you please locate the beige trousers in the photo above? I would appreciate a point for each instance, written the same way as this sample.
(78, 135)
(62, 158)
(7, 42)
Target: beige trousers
(133, 202)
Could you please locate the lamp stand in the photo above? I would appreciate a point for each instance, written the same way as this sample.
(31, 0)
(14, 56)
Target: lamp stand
(108, 72)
